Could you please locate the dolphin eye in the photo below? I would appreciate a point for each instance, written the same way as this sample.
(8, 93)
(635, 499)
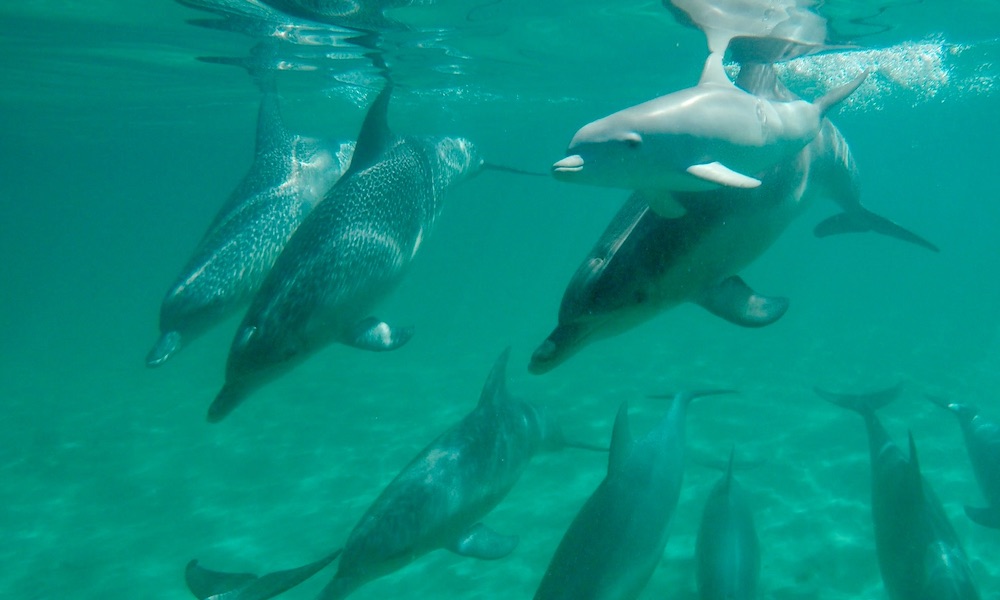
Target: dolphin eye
(632, 140)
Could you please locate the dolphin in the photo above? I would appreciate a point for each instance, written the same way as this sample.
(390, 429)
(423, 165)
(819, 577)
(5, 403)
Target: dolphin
(727, 551)
(289, 176)
(982, 441)
(645, 263)
(346, 256)
(436, 501)
(616, 540)
(712, 135)
(919, 554)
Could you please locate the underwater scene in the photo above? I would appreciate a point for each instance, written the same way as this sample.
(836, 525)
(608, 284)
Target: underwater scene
(690, 299)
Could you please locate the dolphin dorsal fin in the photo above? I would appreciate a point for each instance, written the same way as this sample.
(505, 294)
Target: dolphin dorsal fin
(495, 388)
(913, 477)
(621, 441)
(374, 136)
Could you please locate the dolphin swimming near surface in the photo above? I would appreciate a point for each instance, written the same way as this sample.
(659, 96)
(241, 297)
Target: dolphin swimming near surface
(616, 540)
(727, 551)
(346, 256)
(436, 501)
(644, 263)
(982, 441)
(289, 176)
(919, 554)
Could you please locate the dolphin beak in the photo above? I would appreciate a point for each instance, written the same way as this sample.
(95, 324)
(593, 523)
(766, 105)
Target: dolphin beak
(570, 164)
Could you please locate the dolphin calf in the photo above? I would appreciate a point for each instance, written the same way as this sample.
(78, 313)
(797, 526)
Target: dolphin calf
(982, 440)
(727, 551)
(346, 256)
(436, 501)
(616, 540)
(705, 137)
(290, 174)
(644, 263)
(919, 554)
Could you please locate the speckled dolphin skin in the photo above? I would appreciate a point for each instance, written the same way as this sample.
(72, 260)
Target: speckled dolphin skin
(346, 256)
(290, 174)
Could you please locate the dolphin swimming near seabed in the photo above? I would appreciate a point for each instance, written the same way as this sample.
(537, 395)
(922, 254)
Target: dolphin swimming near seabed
(727, 551)
(644, 263)
(346, 256)
(982, 441)
(616, 540)
(919, 554)
(436, 501)
(289, 176)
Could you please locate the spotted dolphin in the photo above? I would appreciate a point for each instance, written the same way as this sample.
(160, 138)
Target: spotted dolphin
(289, 176)
(436, 501)
(616, 540)
(727, 551)
(346, 256)
(982, 441)
(644, 263)
(919, 554)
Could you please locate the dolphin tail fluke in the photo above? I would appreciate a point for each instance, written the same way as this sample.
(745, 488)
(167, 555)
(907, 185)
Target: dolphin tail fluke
(165, 347)
(863, 404)
(206, 584)
(862, 220)
(839, 93)
(987, 517)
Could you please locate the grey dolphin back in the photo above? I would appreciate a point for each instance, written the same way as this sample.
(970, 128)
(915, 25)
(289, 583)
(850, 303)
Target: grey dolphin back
(864, 404)
(207, 584)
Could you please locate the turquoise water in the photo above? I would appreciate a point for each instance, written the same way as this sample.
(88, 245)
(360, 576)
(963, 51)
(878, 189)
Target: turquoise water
(119, 146)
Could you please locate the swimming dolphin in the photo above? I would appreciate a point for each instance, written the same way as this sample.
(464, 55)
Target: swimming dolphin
(436, 501)
(702, 138)
(982, 441)
(616, 540)
(919, 554)
(346, 256)
(644, 263)
(727, 551)
(290, 174)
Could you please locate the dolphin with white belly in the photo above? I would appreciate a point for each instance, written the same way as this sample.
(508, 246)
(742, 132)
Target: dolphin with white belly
(727, 551)
(289, 176)
(436, 501)
(616, 540)
(346, 256)
(982, 441)
(919, 554)
(644, 263)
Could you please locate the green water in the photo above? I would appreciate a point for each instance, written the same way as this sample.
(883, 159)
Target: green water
(118, 147)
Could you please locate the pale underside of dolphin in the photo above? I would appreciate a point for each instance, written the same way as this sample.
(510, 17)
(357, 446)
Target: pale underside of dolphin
(290, 174)
(435, 502)
(919, 553)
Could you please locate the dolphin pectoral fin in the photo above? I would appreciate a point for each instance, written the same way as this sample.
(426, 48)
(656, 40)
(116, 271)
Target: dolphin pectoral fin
(987, 517)
(720, 174)
(378, 336)
(662, 202)
(733, 300)
(482, 542)
(168, 344)
(862, 220)
(206, 584)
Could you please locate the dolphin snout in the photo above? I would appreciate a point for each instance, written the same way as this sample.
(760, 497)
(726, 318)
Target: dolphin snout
(570, 164)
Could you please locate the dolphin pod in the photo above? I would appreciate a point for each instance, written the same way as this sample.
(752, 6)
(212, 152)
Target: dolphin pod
(919, 553)
(346, 256)
(436, 501)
